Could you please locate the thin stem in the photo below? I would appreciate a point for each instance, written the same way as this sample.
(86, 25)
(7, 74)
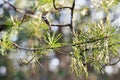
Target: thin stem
(114, 63)
(31, 14)
(28, 49)
(27, 62)
(91, 41)
(60, 7)
(62, 25)
(72, 12)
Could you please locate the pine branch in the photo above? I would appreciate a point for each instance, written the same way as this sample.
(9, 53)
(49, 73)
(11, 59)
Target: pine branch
(31, 14)
(64, 45)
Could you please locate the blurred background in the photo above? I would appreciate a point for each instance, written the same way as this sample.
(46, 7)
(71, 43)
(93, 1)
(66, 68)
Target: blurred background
(54, 66)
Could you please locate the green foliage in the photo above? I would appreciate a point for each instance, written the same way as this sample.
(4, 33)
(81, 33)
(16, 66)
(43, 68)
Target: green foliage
(5, 44)
(42, 2)
(52, 40)
(94, 46)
